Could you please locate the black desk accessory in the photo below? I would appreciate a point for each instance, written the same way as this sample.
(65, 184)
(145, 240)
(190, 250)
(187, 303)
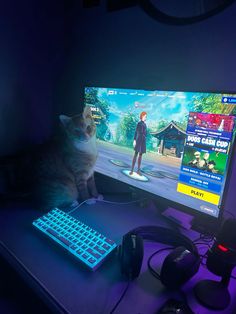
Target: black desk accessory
(221, 259)
(178, 267)
(173, 306)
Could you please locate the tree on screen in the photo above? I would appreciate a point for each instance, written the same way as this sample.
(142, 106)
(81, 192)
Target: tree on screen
(92, 99)
(211, 103)
(162, 124)
(126, 129)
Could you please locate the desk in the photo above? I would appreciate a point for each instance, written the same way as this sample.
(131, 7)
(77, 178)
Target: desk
(67, 287)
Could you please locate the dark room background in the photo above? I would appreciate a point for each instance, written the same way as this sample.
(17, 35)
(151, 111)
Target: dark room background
(50, 50)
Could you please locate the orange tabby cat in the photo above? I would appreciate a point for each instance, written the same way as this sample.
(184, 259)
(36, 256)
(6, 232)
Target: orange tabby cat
(64, 171)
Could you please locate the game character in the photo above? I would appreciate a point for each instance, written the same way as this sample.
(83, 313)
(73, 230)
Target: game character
(211, 166)
(198, 122)
(195, 162)
(203, 163)
(139, 142)
(198, 162)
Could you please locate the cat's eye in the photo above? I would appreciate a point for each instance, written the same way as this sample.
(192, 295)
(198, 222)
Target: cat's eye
(89, 129)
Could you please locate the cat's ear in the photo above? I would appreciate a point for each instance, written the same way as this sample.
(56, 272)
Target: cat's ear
(65, 120)
(87, 113)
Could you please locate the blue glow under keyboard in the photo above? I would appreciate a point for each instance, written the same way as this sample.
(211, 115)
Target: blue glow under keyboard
(85, 243)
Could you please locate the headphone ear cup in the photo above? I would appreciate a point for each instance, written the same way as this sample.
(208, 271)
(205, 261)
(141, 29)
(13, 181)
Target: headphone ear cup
(178, 267)
(131, 255)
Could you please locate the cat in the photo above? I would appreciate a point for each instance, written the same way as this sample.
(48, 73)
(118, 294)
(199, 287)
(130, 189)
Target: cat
(62, 171)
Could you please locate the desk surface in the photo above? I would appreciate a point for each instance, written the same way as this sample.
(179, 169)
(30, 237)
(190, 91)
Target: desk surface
(66, 285)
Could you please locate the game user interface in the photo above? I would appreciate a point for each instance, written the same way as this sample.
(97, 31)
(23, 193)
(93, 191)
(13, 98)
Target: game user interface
(176, 145)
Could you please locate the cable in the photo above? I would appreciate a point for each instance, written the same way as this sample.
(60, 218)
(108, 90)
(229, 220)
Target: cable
(199, 238)
(76, 207)
(203, 243)
(205, 238)
(204, 256)
(150, 268)
(229, 212)
(104, 201)
(156, 275)
(121, 203)
(121, 297)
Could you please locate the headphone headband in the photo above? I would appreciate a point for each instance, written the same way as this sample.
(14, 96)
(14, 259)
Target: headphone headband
(164, 235)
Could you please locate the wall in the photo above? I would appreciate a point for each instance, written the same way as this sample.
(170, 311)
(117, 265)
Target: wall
(31, 57)
(129, 49)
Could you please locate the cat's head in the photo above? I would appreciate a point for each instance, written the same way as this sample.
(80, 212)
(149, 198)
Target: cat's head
(81, 127)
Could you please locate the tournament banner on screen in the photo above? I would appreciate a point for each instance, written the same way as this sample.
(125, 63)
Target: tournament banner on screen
(205, 155)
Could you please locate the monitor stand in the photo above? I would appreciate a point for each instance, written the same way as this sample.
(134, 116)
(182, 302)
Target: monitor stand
(182, 219)
(206, 226)
(187, 221)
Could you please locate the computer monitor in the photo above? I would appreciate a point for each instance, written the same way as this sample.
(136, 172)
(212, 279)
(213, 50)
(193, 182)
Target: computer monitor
(179, 143)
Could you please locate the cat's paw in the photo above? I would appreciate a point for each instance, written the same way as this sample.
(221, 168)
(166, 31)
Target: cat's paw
(90, 201)
(100, 197)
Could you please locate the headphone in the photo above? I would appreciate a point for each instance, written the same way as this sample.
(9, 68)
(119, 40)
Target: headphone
(178, 266)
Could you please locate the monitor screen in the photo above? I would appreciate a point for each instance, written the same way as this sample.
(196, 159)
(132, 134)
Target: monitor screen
(176, 145)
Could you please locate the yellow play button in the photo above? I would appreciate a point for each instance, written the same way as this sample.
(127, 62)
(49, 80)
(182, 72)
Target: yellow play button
(198, 193)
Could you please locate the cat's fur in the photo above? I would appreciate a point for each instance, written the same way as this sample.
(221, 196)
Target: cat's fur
(63, 171)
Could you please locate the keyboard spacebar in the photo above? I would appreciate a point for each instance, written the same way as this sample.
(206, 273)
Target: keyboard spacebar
(62, 239)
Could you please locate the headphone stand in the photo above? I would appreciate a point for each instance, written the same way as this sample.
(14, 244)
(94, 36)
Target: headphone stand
(214, 294)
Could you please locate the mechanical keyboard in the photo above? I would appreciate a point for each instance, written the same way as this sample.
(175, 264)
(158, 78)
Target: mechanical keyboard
(85, 243)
